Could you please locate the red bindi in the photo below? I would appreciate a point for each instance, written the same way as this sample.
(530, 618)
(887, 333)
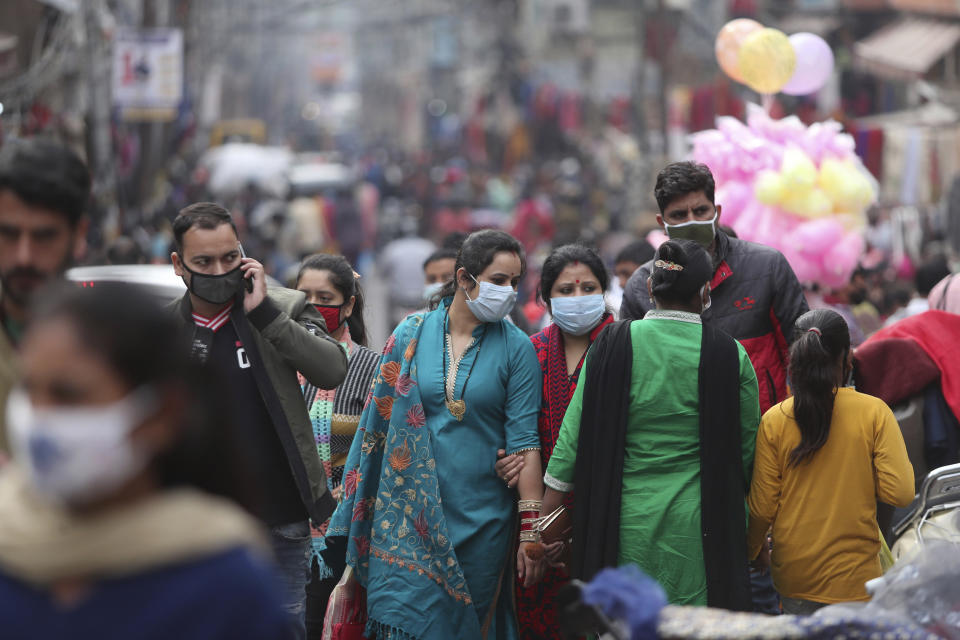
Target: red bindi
(578, 282)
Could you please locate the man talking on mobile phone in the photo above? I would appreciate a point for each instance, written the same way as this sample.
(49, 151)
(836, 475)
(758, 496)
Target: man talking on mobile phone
(256, 340)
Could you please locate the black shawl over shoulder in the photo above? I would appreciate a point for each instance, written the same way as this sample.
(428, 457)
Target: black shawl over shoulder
(598, 473)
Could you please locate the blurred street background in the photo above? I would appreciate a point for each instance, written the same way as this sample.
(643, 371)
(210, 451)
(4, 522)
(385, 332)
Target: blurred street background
(345, 126)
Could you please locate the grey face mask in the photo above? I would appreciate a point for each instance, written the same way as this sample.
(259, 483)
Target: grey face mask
(215, 289)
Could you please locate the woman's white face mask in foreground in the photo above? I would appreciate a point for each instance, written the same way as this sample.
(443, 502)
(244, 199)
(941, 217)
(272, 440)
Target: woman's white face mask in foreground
(76, 455)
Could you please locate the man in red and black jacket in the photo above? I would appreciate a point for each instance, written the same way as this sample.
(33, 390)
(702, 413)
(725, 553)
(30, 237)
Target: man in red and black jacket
(756, 296)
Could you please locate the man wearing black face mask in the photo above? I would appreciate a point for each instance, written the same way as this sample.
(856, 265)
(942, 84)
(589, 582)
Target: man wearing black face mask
(257, 340)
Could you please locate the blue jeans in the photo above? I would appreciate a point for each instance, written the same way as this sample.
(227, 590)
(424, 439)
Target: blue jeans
(765, 597)
(291, 551)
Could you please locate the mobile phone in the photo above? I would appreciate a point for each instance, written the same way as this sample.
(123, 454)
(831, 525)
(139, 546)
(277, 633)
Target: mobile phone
(247, 282)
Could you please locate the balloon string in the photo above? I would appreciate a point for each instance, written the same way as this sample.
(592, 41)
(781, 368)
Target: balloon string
(766, 100)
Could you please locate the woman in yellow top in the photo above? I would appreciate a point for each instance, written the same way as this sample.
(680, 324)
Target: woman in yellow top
(823, 459)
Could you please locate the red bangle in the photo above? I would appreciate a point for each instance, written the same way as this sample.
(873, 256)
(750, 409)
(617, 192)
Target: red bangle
(529, 514)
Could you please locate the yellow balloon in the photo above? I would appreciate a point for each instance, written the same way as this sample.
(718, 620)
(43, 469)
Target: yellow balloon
(767, 60)
(833, 175)
(728, 43)
(810, 203)
(768, 188)
(797, 170)
(849, 189)
(818, 204)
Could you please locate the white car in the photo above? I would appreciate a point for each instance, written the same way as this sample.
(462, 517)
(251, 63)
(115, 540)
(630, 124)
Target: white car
(158, 279)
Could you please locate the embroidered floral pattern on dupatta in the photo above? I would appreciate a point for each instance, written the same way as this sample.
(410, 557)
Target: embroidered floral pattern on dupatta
(391, 510)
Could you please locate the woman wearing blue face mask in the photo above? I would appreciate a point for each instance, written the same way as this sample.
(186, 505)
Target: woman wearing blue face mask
(426, 523)
(657, 444)
(572, 282)
(119, 509)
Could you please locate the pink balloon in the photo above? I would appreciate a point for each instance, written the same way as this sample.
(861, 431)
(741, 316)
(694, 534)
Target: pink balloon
(806, 270)
(733, 196)
(816, 238)
(746, 223)
(842, 259)
(814, 64)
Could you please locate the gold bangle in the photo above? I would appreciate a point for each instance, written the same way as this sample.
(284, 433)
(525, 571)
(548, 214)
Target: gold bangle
(529, 505)
(530, 536)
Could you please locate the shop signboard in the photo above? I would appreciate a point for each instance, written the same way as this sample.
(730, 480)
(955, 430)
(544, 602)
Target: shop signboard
(148, 74)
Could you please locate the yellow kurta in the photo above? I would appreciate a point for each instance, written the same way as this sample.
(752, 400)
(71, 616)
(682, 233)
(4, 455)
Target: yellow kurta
(824, 515)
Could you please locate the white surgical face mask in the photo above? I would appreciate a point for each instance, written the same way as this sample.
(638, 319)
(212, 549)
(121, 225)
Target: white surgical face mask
(493, 301)
(577, 315)
(431, 290)
(75, 455)
(709, 303)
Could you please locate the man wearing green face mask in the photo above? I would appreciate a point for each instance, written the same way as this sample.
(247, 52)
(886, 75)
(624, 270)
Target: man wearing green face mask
(756, 296)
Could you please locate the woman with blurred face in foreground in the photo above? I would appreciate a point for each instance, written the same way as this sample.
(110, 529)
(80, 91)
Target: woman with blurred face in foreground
(119, 514)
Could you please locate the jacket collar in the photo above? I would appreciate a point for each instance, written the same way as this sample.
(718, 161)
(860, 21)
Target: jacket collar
(722, 251)
(185, 308)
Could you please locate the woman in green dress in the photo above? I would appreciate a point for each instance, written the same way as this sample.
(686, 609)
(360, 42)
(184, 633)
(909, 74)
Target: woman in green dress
(657, 444)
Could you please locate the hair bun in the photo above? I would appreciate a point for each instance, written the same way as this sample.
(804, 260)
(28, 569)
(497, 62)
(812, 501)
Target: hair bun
(670, 251)
(693, 269)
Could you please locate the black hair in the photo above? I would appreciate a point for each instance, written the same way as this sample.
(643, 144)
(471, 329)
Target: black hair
(638, 252)
(728, 230)
(453, 240)
(558, 260)
(341, 275)
(932, 271)
(820, 346)
(476, 253)
(125, 250)
(46, 174)
(203, 215)
(680, 285)
(677, 179)
(143, 345)
(440, 254)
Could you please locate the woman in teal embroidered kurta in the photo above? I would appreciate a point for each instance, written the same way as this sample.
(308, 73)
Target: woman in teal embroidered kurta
(503, 402)
(660, 506)
(426, 522)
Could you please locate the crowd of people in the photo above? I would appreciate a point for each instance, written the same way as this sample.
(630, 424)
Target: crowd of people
(220, 467)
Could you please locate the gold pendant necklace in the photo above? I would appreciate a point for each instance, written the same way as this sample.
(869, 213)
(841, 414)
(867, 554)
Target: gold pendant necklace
(457, 407)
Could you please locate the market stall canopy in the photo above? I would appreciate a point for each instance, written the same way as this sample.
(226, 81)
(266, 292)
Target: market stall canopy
(819, 24)
(932, 114)
(907, 48)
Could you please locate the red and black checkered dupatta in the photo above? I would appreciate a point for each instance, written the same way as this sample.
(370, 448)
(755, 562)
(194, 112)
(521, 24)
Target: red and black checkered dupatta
(558, 387)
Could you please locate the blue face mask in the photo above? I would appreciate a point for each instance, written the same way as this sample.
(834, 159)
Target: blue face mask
(493, 301)
(431, 290)
(577, 315)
